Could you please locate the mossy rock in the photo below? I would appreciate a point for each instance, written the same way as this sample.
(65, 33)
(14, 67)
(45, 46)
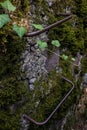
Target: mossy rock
(12, 89)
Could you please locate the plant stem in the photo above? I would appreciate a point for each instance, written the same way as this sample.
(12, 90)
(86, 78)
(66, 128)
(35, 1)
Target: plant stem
(61, 57)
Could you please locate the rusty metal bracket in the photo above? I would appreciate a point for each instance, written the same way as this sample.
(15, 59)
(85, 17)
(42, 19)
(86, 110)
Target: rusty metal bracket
(57, 107)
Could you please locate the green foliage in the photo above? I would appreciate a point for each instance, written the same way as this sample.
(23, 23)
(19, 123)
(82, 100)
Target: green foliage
(55, 43)
(65, 57)
(42, 45)
(4, 18)
(73, 59)
(19, 30)
(38, 26)
(8, 5)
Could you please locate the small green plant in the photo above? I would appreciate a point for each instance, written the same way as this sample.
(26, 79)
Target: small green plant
(19, 30)
(5, 18)
(38, 26)
(8, 5)
(55, 43)
(43, 45)
(65, 57)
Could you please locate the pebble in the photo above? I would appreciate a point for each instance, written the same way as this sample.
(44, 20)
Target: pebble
(32, 80)
(31, 86)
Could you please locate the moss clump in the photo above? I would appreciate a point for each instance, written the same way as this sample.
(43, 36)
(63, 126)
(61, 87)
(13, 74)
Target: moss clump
(9, 121)
(43, 11)
(47, 94)
(84, 65)
(13, 91)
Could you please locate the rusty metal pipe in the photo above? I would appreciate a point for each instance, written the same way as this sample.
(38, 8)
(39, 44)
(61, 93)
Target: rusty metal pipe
(58, 106)
(48, 27)
(64, 14)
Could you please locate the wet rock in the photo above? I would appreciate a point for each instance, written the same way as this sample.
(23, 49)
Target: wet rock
(53, 60)
(50, 2)
(32, 87)
(24, 124)
(32, 80)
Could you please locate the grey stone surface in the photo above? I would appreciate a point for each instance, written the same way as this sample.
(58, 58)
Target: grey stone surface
(32, 80)
(85, 79)
(32, 87)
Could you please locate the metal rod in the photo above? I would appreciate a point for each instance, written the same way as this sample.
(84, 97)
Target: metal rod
(64, 14)
(57, 107)
(48, 27)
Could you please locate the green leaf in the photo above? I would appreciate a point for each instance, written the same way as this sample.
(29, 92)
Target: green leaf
(65, 57)
(8, 5)
(38, 26)
(42, 45)
(55, 43)
(4, 18)
(19, 30)
(73, 59)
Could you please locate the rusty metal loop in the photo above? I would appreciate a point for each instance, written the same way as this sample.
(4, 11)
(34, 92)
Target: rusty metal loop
(48, 27)
(57, 107)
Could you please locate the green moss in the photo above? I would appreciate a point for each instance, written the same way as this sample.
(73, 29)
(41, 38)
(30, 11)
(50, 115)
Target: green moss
(9, 121)
(84, 65)
(48, 93)
(11, 92)
(12, 89)
(24, 6)
(43, 10)
(85, 113)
